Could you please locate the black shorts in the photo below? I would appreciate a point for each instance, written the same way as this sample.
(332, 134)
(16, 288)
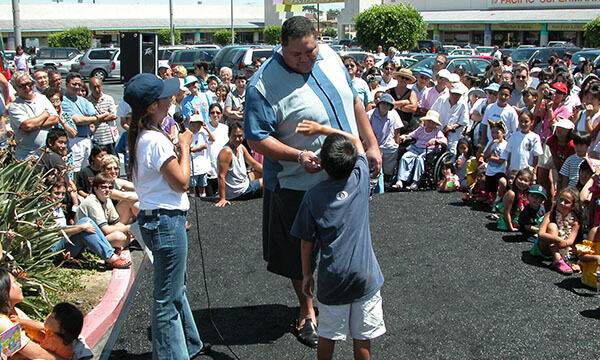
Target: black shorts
(280, 249)
(491, 182)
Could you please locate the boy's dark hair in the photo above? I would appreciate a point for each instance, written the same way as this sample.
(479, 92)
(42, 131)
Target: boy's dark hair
(101, 179)
(50, 92)
(338, 156)
(295, 28)
(54, 134)
(70, 320)
(581, 137)
(529, 91)
(201, 64)
(506, 85)
(234, 126)
(95, 151)
(72, 75)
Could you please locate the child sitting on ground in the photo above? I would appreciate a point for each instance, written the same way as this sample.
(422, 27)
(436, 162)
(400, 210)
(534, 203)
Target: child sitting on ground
(59, 333)
(449, 180)
(560, 229)
(412, 165)
(477, 191)
(533, 213)
(334, 216)
(514, 201)
(590, 192)
(569, 172)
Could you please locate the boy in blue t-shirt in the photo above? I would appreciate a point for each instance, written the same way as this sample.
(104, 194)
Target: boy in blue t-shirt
(334, 215)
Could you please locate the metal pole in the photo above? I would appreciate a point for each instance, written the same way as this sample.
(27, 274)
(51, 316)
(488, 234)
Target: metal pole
(171, 26)
(232, 37)
(17, 22)
(318, 21)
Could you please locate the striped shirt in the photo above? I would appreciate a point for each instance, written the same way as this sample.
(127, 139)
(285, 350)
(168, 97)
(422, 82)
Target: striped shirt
(106, 132)
(570, 169)
(277, 99)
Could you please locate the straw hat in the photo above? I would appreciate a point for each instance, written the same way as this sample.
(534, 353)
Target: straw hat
(406, 74)
(432, 116)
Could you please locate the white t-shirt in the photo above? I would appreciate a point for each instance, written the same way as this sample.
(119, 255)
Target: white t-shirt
(152, 150)
(384, 86)
(199, 161)
(497, 149)
(221, 137)
(450, 115)
(123, 109)
(507, 114)
(522, 149)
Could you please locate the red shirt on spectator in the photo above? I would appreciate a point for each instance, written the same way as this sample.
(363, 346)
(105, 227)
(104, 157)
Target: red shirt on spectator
(560, 153)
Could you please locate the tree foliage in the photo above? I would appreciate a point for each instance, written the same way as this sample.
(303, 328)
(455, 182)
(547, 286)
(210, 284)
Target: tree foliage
(389, 25)
(164, 36)
(591, 33)
(223, 37)
(78, 37)
(332, 14)
(272, 34)
(329, 32)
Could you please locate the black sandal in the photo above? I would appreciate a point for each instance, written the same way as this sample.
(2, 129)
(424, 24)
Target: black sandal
(307, 335)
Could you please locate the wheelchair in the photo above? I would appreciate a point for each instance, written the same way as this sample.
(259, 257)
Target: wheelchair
(434, 159)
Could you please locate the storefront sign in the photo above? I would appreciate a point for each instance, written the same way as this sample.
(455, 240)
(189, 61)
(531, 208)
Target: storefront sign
(516, 27)
(565, 27)
(462, 27)
(530, 4)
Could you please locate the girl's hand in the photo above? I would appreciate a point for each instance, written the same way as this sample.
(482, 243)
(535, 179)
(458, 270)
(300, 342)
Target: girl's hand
(88, 227)
(14, 318)
(432, 142)
(308, 128)
(222, 203)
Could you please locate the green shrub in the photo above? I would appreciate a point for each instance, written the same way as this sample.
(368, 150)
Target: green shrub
(78, 37)
(223, 37)
(389, 25)
(329, 32)
(272, 34)
(164, 36)
(591, 33)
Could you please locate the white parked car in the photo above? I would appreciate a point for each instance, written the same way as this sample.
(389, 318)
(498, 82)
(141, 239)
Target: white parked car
(465, 52)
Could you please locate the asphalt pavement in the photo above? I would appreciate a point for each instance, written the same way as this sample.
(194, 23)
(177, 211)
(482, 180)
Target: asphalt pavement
(454, 288)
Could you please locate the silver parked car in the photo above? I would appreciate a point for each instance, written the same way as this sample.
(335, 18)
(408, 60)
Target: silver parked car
(97, 63)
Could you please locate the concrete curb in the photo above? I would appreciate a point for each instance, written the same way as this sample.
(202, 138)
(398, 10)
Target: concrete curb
(104, 315)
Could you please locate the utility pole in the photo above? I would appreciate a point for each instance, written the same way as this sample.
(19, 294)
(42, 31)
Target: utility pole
(318, 21)
(17, 22)
(171, 27)
(232, 36)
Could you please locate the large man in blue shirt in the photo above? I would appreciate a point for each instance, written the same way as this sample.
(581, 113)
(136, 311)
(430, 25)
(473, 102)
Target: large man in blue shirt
(84, 114)
(300, 81)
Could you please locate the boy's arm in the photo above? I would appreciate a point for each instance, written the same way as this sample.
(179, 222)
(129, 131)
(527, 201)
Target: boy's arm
(309, 128)
(308, 282)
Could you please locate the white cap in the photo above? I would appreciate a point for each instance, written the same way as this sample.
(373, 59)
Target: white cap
(196, 118)
(444, 74)
(535, 70)
(564, 123)
(458, 88)
(454, 78)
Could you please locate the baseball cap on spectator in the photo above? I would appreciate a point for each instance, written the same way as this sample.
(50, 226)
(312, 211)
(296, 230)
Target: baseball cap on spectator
(495, 87)
(537, 189)
(454, 78)
(426, 72)
(564, 123)
(196, 118)
(189, 80)
(535, 70)
(560, 86)
(163, 66)
(477, 92)
(458, 88)
(144, 89)
(444, 74)
(386, 98)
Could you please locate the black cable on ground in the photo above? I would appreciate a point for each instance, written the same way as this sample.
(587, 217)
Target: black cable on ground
(204, 275)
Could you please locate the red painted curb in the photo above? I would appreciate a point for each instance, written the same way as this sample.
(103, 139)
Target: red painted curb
(101, 318)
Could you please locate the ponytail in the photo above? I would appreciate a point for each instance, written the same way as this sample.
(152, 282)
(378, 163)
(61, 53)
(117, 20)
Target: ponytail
(139, 121)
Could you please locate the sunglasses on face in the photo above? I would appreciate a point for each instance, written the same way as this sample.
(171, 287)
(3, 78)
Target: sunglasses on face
(26, 85)
(520, 77)
(105, 187)
(215, 112)
(388, 68)
(77, 84)
(350, 65)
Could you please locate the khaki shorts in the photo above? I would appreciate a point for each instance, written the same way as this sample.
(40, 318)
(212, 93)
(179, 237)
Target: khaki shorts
(363, 320)
(545, 161)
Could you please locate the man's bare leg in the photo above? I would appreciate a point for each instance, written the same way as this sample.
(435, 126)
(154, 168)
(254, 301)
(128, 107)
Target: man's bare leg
(306, 305)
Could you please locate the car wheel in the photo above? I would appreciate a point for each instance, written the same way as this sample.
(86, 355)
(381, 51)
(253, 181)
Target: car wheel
(100, 74)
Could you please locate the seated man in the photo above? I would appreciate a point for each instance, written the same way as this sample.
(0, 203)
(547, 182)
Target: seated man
(98, 207)
(235, 183)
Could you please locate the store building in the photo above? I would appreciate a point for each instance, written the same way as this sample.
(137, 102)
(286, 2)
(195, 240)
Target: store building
(493, 22)
(197, 23)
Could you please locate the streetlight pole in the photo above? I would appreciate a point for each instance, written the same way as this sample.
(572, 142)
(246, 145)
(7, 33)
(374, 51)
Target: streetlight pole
(171, 27)
(17, 22)
(232, 36)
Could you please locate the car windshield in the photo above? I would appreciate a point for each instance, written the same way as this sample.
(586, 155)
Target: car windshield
(521, 55)
(426, 63)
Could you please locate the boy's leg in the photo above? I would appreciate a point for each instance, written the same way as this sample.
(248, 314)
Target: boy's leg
(362, 349)
(325, 348)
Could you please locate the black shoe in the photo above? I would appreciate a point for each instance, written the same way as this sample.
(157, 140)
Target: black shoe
(206, 349)
(307, 335)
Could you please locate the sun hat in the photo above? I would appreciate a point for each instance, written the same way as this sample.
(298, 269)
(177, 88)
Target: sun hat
(444, 74)
(404, 72)
(196, 118)
(426, 72)
(560, 86)
(537, 189)
(432, 116)
(144, 89)
(458, 88)
(495, 87)
(477, 92)
(564, 123)
(535, 70)
(386, 98)
(190, 79)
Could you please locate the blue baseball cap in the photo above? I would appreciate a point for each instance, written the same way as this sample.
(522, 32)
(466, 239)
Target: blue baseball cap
(426, 72)
(144, 89)
(492, 87)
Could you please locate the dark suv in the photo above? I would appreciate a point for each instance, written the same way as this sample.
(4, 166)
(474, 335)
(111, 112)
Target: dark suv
(428, 46)
(49, 58)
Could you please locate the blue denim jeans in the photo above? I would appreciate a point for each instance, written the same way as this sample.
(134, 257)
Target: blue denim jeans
(96, 242)
(174, 332)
